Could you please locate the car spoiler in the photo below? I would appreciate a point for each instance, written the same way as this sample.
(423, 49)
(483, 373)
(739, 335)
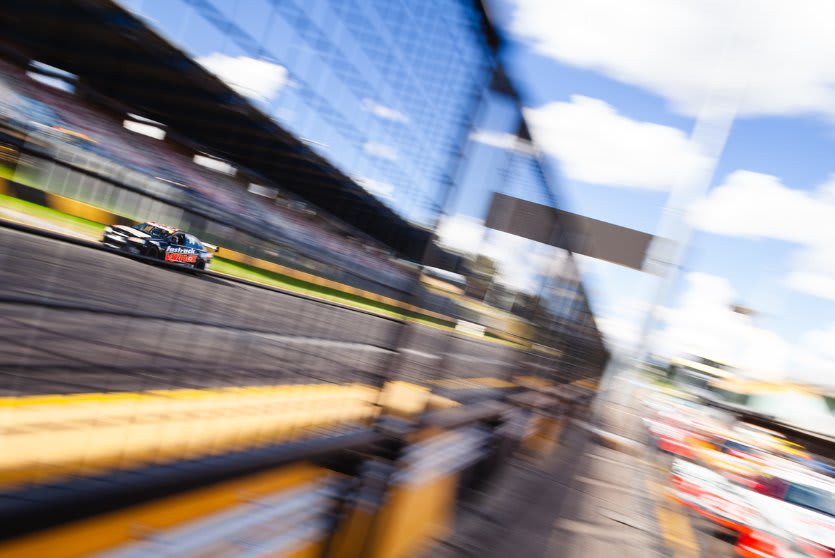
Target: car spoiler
(211, 247)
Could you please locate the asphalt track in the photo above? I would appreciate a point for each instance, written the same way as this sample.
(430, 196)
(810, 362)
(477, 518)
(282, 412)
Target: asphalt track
(78, 319)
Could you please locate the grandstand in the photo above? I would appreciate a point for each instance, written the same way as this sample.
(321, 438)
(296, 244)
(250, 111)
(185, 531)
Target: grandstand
(40, 108)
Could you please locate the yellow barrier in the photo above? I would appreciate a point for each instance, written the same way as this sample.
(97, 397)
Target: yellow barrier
(409, 517)
(412, 516)
(97, 534)
(417, 507)
(470, 383)
(44, 438)
(533, 382)
(89, 212)
(544, 436)
(79, 209)
(354, 532)
(245, 259)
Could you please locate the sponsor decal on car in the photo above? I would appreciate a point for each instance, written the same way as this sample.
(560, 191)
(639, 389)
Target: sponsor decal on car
(176, 254)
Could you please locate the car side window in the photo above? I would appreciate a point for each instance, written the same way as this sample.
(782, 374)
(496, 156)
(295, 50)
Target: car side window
(176, 239)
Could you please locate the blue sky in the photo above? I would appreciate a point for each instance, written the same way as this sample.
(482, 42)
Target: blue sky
(323, 75)
(613, 91)
(760, 235)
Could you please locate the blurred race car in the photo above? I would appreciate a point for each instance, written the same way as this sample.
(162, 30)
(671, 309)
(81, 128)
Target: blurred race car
(160, 242)
(711, 495)
(788, 513)
(796, 516)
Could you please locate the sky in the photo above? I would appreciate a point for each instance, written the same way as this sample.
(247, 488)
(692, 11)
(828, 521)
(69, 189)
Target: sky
(357, 80)
(626, 100)
(615, 94)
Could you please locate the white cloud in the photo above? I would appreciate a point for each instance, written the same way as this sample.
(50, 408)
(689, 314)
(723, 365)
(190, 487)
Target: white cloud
(380, 150)
(814, 271)
(462, 233)
(814, 358)
(812, 283)
(821, 342)
(257, 79)
(704, 324)
(384, 112)
(754, 205)
(779, 52)
(379, 188)
(597, 145)
(519, 262)
(502, 141)
(619, 333)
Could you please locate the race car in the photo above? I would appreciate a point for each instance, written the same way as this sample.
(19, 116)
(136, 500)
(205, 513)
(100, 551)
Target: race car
(160, 242)
(796, 516)
(788, 513)
(711, 495)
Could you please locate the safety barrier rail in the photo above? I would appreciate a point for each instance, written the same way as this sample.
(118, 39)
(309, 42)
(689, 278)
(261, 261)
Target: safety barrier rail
(379, 492)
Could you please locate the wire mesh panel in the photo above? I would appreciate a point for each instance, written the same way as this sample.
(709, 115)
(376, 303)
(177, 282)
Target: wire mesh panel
(234, 223)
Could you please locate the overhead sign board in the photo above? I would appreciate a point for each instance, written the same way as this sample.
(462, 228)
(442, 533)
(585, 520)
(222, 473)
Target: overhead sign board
(581, 235)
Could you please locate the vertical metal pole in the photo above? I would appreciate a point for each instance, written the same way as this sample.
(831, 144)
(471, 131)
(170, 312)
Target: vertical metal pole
(670, 247)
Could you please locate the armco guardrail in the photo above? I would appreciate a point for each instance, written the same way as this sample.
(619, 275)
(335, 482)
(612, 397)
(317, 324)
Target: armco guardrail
(363, 493)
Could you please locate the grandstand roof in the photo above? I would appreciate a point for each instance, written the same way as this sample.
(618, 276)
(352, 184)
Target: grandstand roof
(117, 55)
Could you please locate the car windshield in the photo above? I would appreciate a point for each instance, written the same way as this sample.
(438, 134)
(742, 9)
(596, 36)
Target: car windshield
(192, 242)
(816, 499)
(152, 230)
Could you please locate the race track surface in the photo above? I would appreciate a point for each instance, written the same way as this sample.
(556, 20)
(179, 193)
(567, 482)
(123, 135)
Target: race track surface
(77, 319)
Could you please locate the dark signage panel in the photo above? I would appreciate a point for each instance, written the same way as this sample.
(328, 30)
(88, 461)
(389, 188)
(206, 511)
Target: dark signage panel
(581, 235)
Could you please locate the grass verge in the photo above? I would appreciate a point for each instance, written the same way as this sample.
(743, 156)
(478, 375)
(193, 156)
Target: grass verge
(40, 215)
(49, 216)
(46, 217)
(278, 280)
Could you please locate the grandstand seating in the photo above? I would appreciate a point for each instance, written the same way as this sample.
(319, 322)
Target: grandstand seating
(309, 233)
